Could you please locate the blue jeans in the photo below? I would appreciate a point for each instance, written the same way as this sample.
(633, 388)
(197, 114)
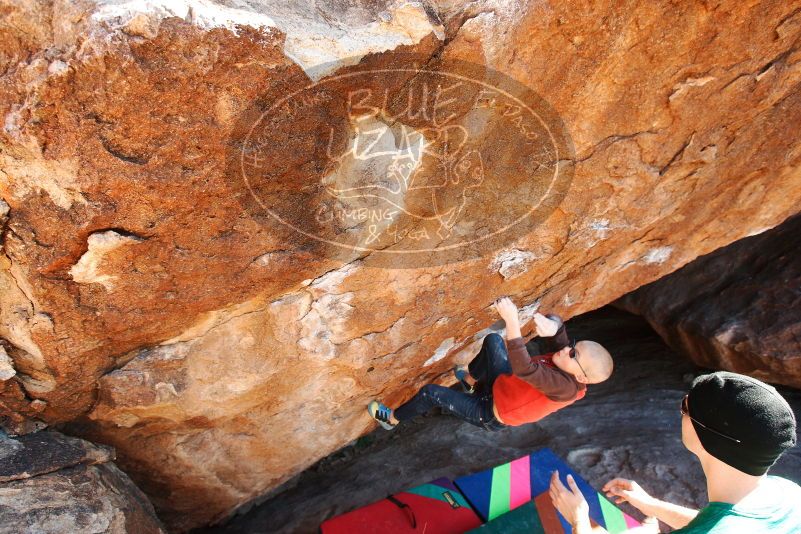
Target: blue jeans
(476, 408)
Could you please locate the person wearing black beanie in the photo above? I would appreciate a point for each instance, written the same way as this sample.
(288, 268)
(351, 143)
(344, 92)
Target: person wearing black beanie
(726, 405)
(738, 427)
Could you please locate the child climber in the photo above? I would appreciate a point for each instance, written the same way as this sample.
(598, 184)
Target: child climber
(504, 385)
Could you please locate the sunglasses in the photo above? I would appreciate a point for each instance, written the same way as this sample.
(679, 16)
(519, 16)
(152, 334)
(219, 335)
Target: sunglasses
(574, 355)
(686, 411)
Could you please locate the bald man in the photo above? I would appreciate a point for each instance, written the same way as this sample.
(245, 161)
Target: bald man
(505, 385)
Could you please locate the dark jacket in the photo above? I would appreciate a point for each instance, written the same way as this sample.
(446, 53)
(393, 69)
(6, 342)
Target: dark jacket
(538, 370)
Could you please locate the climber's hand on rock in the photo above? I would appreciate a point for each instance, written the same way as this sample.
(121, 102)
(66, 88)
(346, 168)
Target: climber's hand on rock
(624, 490)
(569, 500)
(545, 327)
(506, 309)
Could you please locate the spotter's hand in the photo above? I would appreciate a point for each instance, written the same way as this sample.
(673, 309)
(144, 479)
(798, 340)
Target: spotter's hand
(569, 501)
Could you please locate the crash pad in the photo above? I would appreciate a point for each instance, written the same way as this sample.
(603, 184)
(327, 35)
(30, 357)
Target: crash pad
(437, 507)
(523, 485)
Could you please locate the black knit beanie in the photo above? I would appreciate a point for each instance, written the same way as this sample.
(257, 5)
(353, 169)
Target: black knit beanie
(745, 409)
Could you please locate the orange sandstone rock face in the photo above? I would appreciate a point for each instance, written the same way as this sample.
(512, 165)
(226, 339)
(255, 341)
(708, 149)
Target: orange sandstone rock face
(166, 294)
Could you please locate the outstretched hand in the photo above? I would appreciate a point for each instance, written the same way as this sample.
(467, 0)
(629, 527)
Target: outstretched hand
(624, 490)
(545, 327)
(569, 501)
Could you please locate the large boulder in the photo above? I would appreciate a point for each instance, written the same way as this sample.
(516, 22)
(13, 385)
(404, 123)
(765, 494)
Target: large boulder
(172, 282)
(52, 483)
(628, 426)
(738, 308)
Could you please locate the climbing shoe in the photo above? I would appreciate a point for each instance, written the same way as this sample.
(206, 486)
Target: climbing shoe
(460, 372)
(380, 413)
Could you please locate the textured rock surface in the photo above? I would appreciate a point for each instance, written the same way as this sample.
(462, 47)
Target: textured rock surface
(137, 294)
(738, 308)
(629, 426)
(51, 483)
(45, 452)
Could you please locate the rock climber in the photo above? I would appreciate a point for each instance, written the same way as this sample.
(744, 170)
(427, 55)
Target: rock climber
(504, 385)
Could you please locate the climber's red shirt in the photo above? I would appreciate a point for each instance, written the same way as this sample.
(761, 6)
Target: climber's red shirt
(537, 387)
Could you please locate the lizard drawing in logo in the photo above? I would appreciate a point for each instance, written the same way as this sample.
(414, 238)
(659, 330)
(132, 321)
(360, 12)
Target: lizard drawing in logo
(425, 173)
